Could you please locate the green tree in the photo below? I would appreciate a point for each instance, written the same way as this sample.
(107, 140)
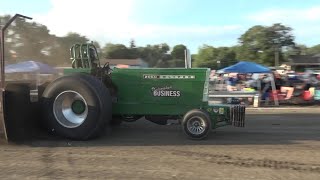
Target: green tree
(10, 55)
(33, 41)
(314, 50)
(178, 56)
(178, 51)
(120, 51)
(27, 40)
(205, 57)
(251, 43)
(298, 49)
(215, 58)
(60, 52)
(259, 43)
(155, 55)
(132, 44)
(115, 51)
(133, 50)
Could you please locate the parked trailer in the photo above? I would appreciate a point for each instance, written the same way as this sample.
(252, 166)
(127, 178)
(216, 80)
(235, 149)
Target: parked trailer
(89, 97)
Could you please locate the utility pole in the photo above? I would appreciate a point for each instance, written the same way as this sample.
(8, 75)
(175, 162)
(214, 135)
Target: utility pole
(276, 57)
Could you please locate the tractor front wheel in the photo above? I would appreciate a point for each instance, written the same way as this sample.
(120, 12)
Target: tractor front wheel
(77, 106)
(196, 124)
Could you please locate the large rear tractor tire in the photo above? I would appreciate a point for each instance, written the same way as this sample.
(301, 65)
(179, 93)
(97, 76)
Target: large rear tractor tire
(196, 124)
(77, 106)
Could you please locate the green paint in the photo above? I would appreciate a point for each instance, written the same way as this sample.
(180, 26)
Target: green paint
(154, 91)
(159, 91)
(218, 118)
(78, 107)
(80, 70)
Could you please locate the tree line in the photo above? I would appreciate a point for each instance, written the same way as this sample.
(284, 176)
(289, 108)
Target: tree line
(31, 40)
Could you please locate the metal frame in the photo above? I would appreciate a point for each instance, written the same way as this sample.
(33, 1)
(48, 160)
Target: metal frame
(77, 52)
(2, 69)
(2, 62)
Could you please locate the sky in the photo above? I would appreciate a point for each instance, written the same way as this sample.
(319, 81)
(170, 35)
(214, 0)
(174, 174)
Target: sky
(193, 23)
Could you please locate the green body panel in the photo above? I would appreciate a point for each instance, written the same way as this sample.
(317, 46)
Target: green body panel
(179, 90)
(80, 70)
(219, 114)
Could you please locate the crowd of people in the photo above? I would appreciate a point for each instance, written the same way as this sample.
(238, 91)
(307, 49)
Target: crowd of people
(285, 86)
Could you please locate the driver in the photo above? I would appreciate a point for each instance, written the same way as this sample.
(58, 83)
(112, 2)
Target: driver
(93, 58)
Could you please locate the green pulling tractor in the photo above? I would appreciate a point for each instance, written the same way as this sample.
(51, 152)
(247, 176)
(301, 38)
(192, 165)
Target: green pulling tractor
(89, 97)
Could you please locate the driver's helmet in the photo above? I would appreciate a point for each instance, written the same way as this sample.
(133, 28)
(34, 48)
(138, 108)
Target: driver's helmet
(93, 57)
(92, 54)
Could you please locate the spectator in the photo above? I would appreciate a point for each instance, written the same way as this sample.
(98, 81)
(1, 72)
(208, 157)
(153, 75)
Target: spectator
(287, 88)
(278, 80)
(231, 83)
(240, 83)
(265, 86)
(314, 81)
(310, 81)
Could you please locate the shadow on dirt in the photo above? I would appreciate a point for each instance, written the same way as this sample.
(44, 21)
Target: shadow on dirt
(261, 129)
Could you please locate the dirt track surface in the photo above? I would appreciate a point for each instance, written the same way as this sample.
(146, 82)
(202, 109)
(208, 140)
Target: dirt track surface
(276, 145)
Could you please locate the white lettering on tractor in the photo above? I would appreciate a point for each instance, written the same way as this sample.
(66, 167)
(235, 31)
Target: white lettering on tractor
(153, 76)
(165, 92)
